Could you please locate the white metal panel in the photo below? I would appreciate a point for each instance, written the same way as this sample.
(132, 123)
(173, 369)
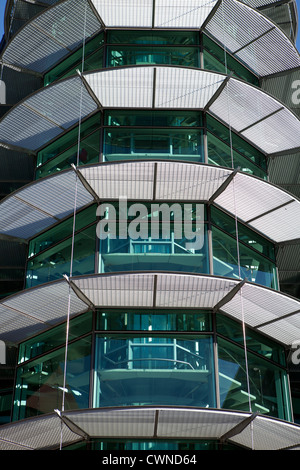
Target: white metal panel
(177, 14)
(130, 180)
(180, 181)
(127, 13)
(185, 88)
(123, 88)
(30, 210)
(46, 39)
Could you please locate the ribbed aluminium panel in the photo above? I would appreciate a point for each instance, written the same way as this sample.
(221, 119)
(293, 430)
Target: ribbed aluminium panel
(242, 105)
(180, 291)
(30, 210)
(129, 290)
(46, 114)
(272, 136)
(185, 88)
(249, 197)
(36, 433)
(260, 55)
(235, 24)
(123, 88)
(113, 423)
(197, 424)
(281, 225)
(127, 13)
(130, 180)
(268, 434)
(24, 128)
(50, 36)
(181, 181)
(177, 14)
(286, 330)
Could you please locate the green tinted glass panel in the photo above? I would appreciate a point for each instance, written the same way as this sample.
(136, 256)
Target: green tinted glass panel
(54, 263)
(144, 370)
(214, 59)
(247, 236)
(184, 38)
(219, 153)
(144, 55)
(238, 144)
(89, 152)
(93, 54)
(69, 139)
(40, 382)
(153, 118)
(254, 341)
(154, 320)
(54, 338)
(61, 231)
(247, 264)
(120, 144)
(163, 247)
(268, 391)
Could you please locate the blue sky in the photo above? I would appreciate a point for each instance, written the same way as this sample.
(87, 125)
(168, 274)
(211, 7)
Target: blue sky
(3, 2)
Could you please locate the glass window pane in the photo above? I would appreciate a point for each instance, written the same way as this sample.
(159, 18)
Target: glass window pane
(267, 392)
(144, 55)
(153, 37)
(254, 341)
(153, 118)
(214, 59)
(54, 263)
(89, 152)
(120, 144)
(154, 320)
(136, 370)
(61, 231)
(219, 153)
(69, 139)
(40, 382)
(56, 337)
(246, 235)
(248, 265)
(238, 144)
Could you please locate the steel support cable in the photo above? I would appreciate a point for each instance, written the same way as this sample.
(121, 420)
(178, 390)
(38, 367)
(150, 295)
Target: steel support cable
(237, 231)
(64, 389)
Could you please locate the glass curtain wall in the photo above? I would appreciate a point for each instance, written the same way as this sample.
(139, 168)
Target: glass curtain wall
(119, 48)
(152, 357)
(152, 237)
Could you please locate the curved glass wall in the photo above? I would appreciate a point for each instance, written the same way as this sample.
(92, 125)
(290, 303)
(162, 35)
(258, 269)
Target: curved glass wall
(152, 357)
(180, 135)
(128, 48)
(152, 237)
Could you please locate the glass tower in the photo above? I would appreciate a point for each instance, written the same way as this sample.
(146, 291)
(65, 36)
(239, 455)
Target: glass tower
(143, 296)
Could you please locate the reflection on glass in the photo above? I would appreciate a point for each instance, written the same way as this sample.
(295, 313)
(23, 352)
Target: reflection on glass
(267, 391)
(54, 263)
(154, 320)
(168, 253)
(219, 153)
(120, 144)
(132, 371)
(248, 265)
(133, 55)
(40, 382)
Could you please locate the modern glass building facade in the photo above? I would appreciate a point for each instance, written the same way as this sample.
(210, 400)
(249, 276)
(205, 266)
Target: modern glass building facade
(141, 303)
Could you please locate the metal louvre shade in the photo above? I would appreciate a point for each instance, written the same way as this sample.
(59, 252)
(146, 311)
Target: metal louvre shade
(265, 310)
(244, 108)
(46, 114)
(255, 202)
(39, 205)
(241, 428)
(52, 35)
(45, 40)
(34, 310)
